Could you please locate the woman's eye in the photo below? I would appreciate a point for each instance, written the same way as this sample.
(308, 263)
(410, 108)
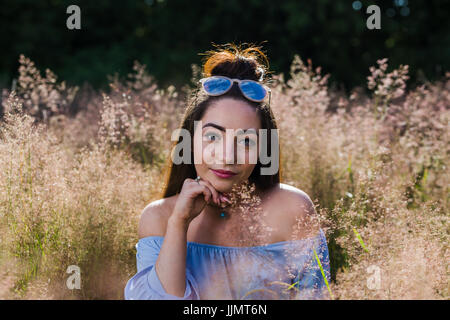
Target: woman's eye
(248, 142)
(211, 137)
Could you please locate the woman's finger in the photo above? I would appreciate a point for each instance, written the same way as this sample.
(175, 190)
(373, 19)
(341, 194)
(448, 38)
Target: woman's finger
(208, 195)
(200, 188)
(216, 195)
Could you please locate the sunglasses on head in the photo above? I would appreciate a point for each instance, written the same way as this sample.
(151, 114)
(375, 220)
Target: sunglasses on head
(218, 85)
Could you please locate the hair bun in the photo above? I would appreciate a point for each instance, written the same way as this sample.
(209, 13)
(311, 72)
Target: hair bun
(235, 62)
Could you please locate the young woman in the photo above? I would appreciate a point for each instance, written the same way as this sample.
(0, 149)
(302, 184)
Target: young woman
(205, 238)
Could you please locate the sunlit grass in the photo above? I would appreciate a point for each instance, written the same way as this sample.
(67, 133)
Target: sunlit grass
(375, 164)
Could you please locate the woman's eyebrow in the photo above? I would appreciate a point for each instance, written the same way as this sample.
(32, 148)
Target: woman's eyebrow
(239, 131)
(210, 124)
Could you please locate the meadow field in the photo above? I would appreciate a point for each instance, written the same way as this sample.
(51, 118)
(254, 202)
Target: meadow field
(78, 165)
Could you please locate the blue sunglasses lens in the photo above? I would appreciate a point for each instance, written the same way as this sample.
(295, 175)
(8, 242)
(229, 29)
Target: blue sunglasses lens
(216, 85)
(253, 90)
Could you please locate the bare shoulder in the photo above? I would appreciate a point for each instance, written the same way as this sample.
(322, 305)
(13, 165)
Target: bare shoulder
(297, 209)
(153, 220)
(291, 199)
(297, 199)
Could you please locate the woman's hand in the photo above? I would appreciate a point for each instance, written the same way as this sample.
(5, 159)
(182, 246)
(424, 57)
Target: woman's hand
(193, 198)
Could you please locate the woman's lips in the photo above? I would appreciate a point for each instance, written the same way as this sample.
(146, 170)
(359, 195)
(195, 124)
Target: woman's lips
(223, 173)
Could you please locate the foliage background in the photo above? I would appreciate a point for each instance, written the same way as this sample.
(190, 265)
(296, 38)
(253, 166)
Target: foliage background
(167, 36)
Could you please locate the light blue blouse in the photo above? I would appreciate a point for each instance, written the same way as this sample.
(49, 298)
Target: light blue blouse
(232, 273)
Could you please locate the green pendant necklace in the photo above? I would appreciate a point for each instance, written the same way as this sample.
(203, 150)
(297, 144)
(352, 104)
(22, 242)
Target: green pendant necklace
(223, 214)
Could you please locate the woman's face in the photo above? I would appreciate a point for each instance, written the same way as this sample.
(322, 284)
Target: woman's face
(236, 150)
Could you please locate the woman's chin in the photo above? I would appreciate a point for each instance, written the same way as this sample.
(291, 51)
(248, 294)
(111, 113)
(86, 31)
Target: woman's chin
(223, 188)
(221, 185)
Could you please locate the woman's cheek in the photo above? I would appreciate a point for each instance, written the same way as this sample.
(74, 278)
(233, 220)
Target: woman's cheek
(207, 153)
(203, 153)
(248, 170)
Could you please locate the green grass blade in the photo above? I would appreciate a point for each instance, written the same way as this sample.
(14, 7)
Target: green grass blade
(360, 240)
(323, 274)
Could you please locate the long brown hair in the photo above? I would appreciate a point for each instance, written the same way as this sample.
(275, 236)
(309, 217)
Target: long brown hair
(234, 62)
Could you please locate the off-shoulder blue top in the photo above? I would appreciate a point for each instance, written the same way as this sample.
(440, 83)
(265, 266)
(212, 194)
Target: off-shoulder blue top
(281, 270)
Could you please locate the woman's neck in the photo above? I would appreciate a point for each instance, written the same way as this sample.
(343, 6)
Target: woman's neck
(227, 211)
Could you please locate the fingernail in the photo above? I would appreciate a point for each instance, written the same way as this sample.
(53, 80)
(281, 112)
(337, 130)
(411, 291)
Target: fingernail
(226, 199)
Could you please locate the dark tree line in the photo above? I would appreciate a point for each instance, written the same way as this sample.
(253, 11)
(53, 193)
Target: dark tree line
(167, 35)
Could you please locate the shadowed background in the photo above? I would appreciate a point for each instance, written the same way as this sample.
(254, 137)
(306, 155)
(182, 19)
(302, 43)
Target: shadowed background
(167, 36)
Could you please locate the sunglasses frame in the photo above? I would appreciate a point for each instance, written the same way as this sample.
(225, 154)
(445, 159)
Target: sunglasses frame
(239, 81)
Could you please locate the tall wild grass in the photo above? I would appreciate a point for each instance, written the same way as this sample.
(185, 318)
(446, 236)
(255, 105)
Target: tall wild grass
(78, 166)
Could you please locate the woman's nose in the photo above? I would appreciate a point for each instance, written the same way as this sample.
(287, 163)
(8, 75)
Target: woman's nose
(230, 150)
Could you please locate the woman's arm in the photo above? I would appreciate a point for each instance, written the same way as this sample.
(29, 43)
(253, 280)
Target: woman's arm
(171, 262)
(168, 275)
(175, 281)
